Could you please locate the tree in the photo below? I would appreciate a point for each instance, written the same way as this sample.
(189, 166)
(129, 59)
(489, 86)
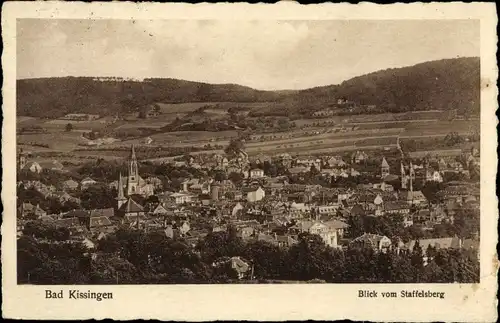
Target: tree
(312, 259)
(69, 127)
(417, 260)
(453, 139)
(236, 178)
(234, 147)
(98, 196)
(47, 262)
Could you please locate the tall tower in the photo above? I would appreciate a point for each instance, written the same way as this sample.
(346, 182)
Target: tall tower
(404, 178)
(133, 174)
(385, 168)
(121, 199)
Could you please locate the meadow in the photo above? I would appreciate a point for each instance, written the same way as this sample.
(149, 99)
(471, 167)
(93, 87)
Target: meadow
(339, 133)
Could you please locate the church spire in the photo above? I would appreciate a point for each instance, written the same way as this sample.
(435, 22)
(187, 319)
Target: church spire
(121, 197)
(133, 174)
(404, 178)
(120, 188)
(132, 153)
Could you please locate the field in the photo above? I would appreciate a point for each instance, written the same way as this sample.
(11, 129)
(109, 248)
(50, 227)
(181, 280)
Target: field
(343, 133)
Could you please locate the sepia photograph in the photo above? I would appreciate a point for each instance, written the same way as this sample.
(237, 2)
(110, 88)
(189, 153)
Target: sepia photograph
(252, 162)
(192, 152)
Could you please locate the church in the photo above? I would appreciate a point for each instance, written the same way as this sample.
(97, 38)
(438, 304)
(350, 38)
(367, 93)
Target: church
(133, 184)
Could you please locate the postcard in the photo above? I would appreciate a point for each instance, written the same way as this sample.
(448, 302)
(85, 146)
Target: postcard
(201, 162)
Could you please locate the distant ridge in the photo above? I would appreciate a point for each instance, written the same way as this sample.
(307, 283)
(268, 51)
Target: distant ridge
(444, 84)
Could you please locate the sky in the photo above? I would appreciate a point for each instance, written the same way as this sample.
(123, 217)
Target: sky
(264, 54)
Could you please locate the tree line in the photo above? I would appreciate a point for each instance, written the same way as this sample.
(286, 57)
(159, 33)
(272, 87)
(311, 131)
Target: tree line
(135, 257)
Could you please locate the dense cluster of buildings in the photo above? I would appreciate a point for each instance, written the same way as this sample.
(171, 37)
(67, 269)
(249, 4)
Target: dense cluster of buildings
(266, 208)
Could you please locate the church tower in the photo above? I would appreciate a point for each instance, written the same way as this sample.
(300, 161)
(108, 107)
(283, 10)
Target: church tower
(133, 174)
(121, 199)
(385, 168)
(404, 178)
(412, 176)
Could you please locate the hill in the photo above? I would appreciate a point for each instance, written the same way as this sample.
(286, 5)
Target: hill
(54, 97)
(438, 85)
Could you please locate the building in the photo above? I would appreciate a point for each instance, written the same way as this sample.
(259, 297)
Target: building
(131, 212)
(135, 183)
(255, 194)
(100, 225)
(70, 185)
(359, 156)
(330, 231)
(432, 175)
(256, 173)
(413, 197)
(33, 167)
(86, 183)
(53, 165)
(385, 169)
(21, 160)
(396, 207)
(377, 243)
(181, 198)
(160, 210)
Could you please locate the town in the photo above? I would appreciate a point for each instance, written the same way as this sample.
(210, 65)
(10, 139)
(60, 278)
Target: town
(381, 215)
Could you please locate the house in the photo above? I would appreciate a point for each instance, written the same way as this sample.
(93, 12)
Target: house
(330, 232)
(246, 232)
(33, 167)
(298, 170)
(384, 186)
(155, 181)
(131, 208)
(100, 224)
(86, 183)
(109, 212)
(256, 173)
(181, 198)
(240, 266)
(359, 156)
(437, 214)
(438, 243)
(336, 162)
(337, 225)
(377, 243)
(255, 194)
(237, 209)
(74, 226)
(184, 228)
(160, 210)
(422, 216)
(433, 176)
(70, 185)
(357, 210)
(328, 209)
(285, 241)
(396, 207)
(53, 165)
(28, 209)
(413, 197)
